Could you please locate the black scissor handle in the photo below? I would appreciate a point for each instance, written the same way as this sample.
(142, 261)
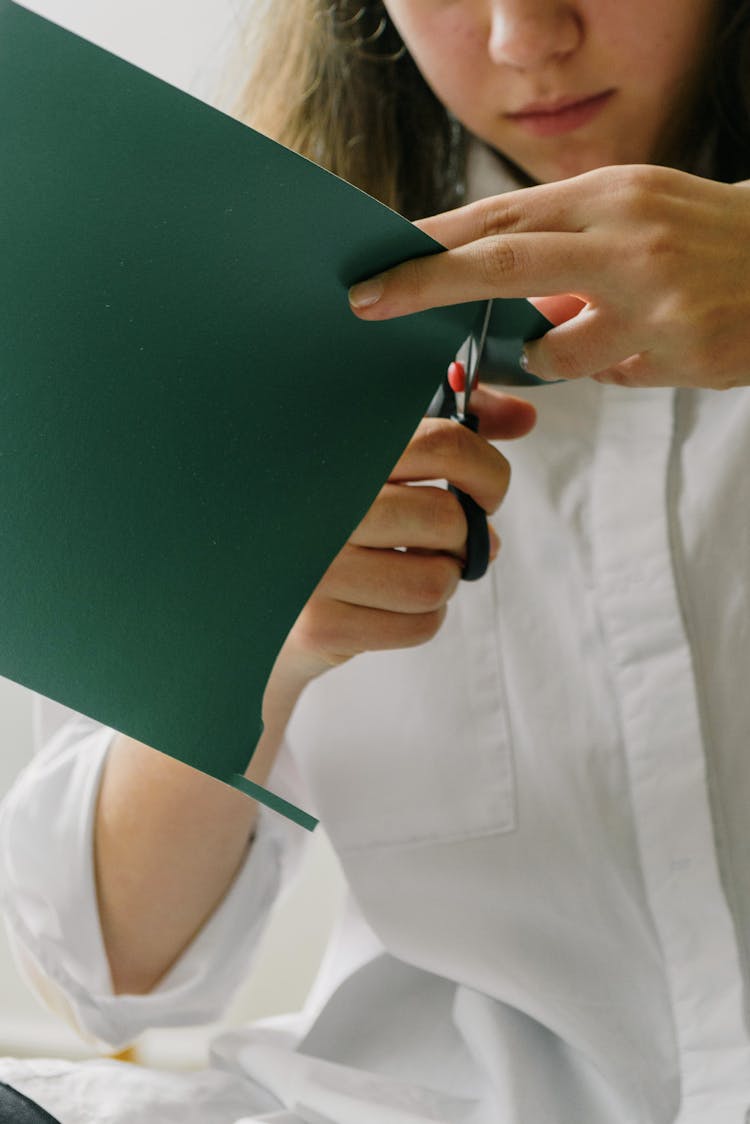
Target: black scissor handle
(478, 534)
(478, 537)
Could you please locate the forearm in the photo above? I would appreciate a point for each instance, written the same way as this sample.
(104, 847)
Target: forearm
(169, 841)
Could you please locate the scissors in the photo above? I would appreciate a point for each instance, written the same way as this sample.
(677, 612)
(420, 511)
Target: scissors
(452, 401)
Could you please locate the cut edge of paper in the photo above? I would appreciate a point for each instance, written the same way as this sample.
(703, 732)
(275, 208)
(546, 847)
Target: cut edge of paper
(271, 800)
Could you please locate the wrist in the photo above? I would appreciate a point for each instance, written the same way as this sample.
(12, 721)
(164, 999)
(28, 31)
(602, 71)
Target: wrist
(293, 669)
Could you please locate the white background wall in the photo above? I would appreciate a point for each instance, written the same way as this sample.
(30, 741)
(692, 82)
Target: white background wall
(185, 42)
(182, 41)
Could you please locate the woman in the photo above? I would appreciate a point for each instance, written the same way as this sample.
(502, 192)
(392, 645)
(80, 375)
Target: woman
(539, 798)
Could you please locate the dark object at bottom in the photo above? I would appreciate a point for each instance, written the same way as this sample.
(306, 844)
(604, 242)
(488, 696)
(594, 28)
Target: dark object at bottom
(15, 1108)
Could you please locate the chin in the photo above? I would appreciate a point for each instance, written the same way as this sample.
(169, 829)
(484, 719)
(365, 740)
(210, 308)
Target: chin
(564, 167)
(562, 162)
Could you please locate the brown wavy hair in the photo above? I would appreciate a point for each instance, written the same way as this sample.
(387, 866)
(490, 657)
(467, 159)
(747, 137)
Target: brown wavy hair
(333, 80)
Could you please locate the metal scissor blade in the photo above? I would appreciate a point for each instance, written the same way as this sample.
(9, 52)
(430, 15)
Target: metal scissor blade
(476, 349)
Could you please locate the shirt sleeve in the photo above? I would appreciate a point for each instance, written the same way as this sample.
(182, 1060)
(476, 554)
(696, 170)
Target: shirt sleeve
(48, 893)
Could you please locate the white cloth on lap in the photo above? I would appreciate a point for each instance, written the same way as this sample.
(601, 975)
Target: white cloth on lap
(110, 1092)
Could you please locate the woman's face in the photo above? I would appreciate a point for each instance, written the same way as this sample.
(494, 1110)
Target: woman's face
(562, 87)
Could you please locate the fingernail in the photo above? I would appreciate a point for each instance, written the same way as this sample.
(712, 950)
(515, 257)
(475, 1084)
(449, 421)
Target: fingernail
(366, 293)
(523, 363)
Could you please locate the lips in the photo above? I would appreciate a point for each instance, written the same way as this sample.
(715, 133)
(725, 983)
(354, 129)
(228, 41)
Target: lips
(548, 118)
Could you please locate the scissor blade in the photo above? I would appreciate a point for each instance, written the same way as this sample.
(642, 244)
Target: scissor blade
(475, 354)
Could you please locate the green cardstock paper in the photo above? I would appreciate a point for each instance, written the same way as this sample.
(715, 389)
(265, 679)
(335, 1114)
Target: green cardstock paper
(512, 324)
(191, 419)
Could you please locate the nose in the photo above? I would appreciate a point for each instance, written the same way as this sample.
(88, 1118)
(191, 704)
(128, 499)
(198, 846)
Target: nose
(530, 34)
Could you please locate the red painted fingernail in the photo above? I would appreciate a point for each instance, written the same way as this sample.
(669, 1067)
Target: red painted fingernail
(457, 377)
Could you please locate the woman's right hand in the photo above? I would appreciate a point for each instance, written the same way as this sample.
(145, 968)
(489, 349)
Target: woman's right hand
(372, 596)
(375, 596)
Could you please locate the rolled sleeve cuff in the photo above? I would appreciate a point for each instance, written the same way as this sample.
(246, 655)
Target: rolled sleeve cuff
(50, 902)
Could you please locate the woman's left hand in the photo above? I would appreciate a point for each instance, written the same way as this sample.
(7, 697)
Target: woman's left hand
(644, 270)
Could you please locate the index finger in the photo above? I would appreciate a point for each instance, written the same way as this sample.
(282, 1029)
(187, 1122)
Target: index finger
(512, 265)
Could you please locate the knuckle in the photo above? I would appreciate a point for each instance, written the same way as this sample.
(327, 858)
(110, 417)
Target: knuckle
(457, 453)
(501, 483)
(314, 629)
(437, 581)
(655, 257)
(498, 259)
(636, 187)
(427, 625)
(446, 442)
(498, 216)
(661, 246)
(563, 361)
(671, 311)
(617, 377)
(445, 517)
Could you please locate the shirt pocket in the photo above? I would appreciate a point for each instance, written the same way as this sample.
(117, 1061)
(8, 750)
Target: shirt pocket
(413, 747)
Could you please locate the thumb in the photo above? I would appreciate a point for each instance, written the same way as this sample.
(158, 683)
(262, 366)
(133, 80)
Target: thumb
(501, 416)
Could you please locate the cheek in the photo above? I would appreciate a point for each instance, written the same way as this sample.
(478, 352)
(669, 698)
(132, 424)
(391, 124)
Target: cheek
(671, 42)
(446, 43)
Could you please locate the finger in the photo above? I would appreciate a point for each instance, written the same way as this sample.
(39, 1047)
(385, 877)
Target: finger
(512, 265)
(637, 371)
(338, 630)
(502, 417)
(426, 517)
(556, 206)
(591, 342)
(443, 450)
(461, 553)
(393, 580)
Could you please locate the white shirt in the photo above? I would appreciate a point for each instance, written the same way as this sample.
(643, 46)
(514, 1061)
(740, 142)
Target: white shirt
(542, 814)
